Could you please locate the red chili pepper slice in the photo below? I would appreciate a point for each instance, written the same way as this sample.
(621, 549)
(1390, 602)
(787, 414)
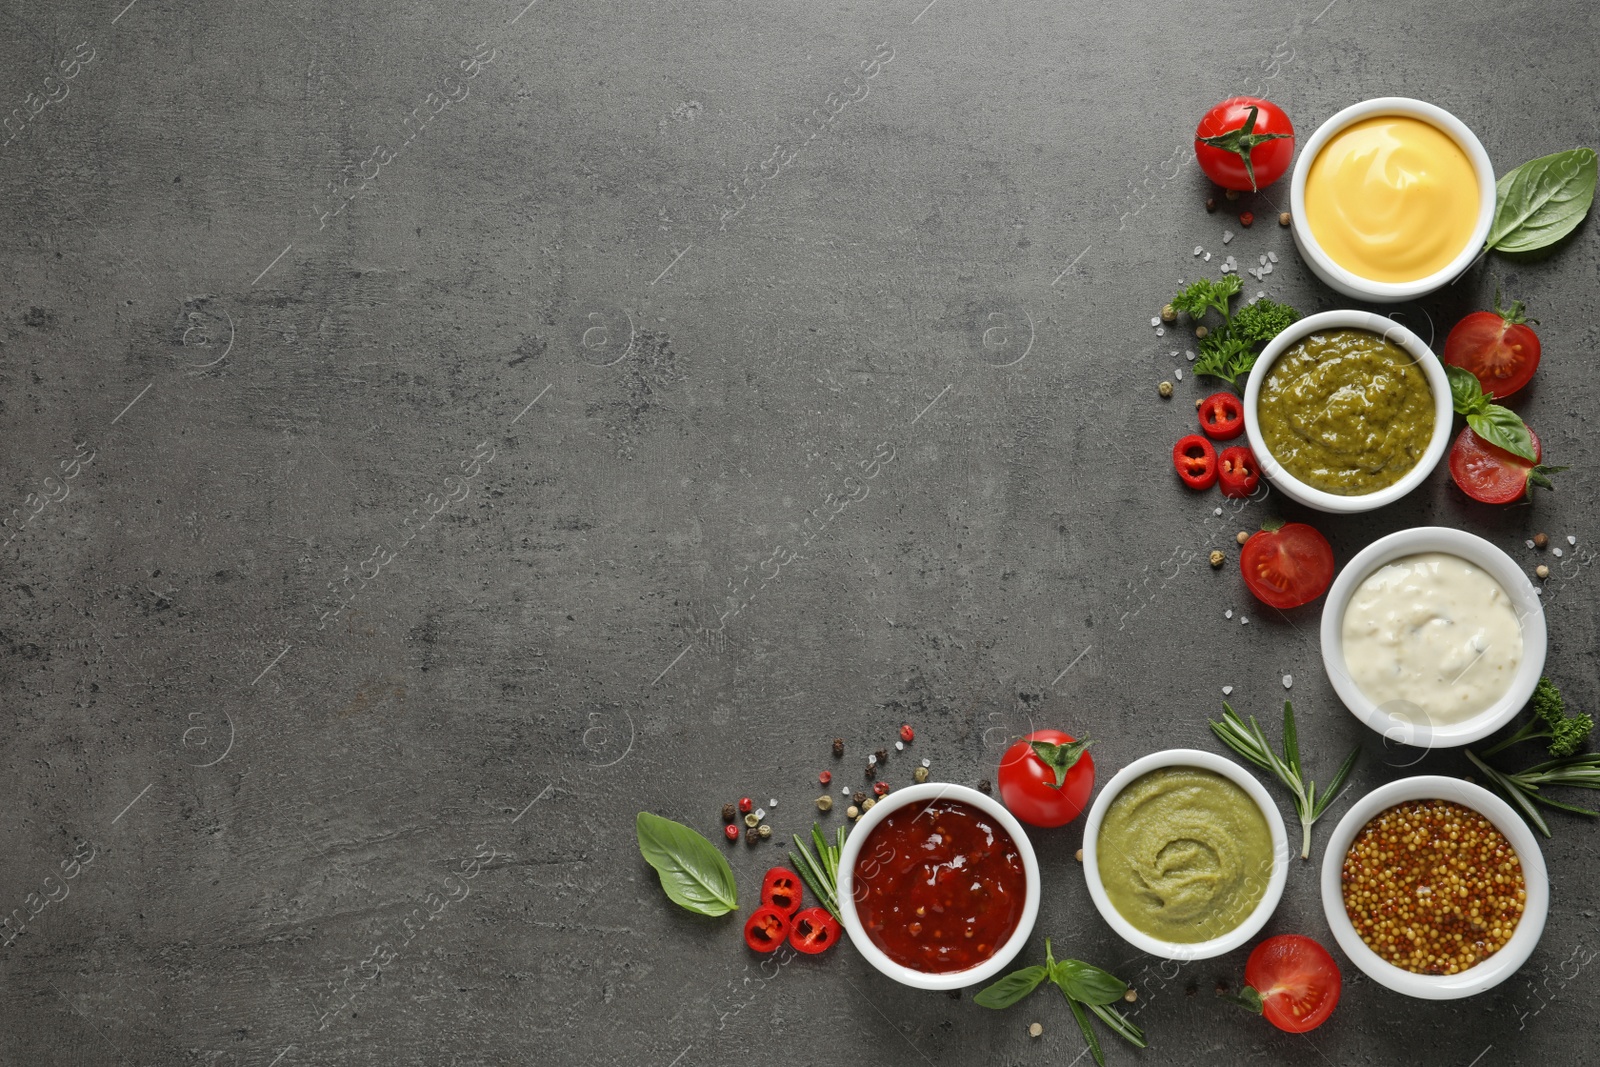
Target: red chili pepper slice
(1195, 459)
(1238, 471)
(766, 929)
(814, 930)
(1222, 416)
(780, 889)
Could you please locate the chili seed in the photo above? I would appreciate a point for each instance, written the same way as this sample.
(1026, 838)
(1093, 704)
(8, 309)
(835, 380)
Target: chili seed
(728, 813)
(1217, 557)
(838, 747)
(1211, 203)
(1201, 332)
(1165, 388)
(1542, 571)
(825, 777)
(1241, 537)
(1169, 313)
(1247, 218)
(920, 775)
(852, 811)
(745, 805)
(1078, 855)
(1283, 218)
(764, 831)
(1540, 540)
(824, 803)
(880, 789)
(752, 820)
(1231, 194)
(731, 831)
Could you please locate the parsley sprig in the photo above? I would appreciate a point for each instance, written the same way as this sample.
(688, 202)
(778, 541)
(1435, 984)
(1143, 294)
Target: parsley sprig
(1565, 734)
(1230, 350)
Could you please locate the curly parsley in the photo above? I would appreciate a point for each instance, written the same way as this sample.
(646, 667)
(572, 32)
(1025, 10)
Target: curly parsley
(1229, 351)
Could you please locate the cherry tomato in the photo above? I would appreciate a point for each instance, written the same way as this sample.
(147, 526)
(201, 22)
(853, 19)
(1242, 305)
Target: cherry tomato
(1244, 142)
(1497, 346)
(1222, 416)
(1490, 474)
(1297, 981)
(766, 929)
(780, 889)
(814, 930)
(1195, 460)
(1237, 471)
(1049, 785)
(1288, 565)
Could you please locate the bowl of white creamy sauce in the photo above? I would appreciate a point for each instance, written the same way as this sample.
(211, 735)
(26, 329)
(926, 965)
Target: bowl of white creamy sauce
(1433, 637)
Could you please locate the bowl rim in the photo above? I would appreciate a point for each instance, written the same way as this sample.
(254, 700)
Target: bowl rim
(1476, 979)
(855, 841)
(1388, 329)
(1342, 278)
(1252, 924)
(1393, 724)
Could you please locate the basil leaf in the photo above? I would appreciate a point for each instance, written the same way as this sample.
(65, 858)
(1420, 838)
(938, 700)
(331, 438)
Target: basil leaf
(694, 874)
(1501, 426)
(1010, 989)
(1542, 201)
(1466, 392)
(1083, 982)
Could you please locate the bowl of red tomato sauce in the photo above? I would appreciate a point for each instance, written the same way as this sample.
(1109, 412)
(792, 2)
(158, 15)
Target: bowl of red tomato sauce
(938, 886)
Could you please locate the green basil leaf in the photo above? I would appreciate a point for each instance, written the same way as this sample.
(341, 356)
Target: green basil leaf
(694, 874)
(1501, 426)
(1087, 983)
(1543, 200)
(1466, 392)
(1010, 989)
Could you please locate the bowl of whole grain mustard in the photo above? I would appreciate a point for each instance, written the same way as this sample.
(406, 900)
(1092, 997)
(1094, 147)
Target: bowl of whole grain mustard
(1435, 887)
(1347, 411)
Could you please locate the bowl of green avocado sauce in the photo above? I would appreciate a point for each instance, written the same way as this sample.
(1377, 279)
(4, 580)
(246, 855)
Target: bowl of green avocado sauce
(1347, 411)
(1185, 854)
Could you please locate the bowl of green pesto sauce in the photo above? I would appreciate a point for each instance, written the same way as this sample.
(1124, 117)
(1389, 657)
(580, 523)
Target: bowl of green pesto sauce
(1347, 411)
(1185, 854)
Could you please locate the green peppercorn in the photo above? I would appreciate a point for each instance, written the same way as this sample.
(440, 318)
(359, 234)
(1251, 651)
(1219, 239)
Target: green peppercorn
(920, 775)
(825, 803)
(751, 820)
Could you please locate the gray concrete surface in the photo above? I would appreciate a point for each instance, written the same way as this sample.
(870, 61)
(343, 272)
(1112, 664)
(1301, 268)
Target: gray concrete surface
(439, 431)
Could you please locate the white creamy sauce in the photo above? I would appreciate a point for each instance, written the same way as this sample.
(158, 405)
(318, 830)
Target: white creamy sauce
(1433, 630)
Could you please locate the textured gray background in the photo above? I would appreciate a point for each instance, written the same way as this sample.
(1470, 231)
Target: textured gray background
(646, 598)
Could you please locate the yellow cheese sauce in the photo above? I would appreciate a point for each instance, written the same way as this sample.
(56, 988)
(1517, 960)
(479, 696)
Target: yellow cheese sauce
(1392, 198)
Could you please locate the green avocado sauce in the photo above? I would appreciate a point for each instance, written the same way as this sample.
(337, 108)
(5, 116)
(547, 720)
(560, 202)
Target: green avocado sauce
(1185, 855)
(1346, 411)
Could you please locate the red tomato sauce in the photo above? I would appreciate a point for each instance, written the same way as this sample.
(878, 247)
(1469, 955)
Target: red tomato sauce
(939, 887)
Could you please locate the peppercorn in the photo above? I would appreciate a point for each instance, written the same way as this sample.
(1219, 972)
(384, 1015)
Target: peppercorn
(1217, 557)
(751, 837)
(727, 813)
(880, 789)
(838, 747)
(1283, 218)
(870, 769)
(1165, 389)
(1211, 204)
(1247, 218)
(858, 796)
(866, 805)
(985, 787)
(1078, 855)
(1241, 537)
(750, 820)
(1222, 988)
(1231, 194)
(1540, 540)
(920, 775)
(852, 811)
(1131, 995)
(882, 754)
(1200, 332)
(825, 803)
(1035, 1029)
(1542, 571)
(745, 805)
(1169, 313)
(764, 831)
(731, 831)
(907, 734)
(825, 777)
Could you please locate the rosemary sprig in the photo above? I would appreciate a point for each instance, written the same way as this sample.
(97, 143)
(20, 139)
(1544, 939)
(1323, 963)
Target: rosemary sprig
(1522, 788)
(1252, 744)
(820, 870)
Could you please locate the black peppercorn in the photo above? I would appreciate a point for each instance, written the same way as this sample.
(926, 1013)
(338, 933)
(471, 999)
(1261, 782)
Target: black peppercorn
(985, 787)
(728, 813)
(838, 747)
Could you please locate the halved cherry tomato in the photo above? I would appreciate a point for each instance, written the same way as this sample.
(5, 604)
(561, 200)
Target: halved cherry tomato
(1222, 416)
(1297, 980)
(1041, 792)
(1244, 142)
(1490, 474)
(1498, 347)
(766, 929)
(781, 889)
(1286, 566)
(1237, 471)
(1195, 460)
(814, 930)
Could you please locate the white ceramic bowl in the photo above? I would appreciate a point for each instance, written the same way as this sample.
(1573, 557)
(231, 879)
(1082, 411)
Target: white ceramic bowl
(1406, 723)
(924, 794)
(1492, 971)
(1348, 283)
(1443, 411)
(1196, 950)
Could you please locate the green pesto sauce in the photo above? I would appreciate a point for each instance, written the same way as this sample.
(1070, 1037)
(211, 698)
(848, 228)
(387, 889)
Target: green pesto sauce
(1185, 855)
(1346, 411)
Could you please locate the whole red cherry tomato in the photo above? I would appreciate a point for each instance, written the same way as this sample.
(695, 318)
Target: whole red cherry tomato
(814, 930)
(766, 929)
(1195, 460)
(1046, 778)
(1294, 980)
(1237, 471)
(781, 889)
(1288, 565)
(1244, 142)
(1491, 475)
(1497, 346)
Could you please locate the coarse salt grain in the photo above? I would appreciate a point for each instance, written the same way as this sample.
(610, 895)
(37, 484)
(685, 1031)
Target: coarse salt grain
(1529, 542)
(1198, 250)
(1188, 355)
(1228, 614)
(1155, 320)
(899, 746)
(1216, 511)
(1273, 256)
(1227, 235)
(1556, 552)
(1571, 540)
(1161, 331)
(1208, 257)
(761, 813)
(1288, 681)
(1263, 261)
(1227, 690)
(1178, 373)
(772, 803)
(1243, 621)
(926, 762)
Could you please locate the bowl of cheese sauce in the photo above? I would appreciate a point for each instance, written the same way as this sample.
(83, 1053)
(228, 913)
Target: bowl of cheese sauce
(1433, 637)
(1392, 198)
